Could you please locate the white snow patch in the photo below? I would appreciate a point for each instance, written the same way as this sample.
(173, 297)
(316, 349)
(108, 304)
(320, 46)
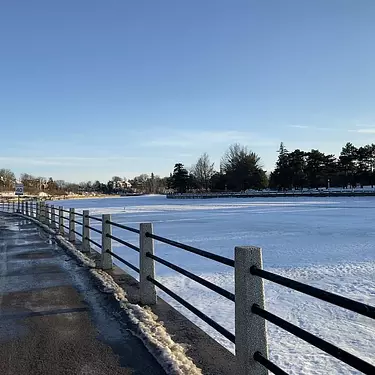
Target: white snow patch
(72, 249)
(170, 355)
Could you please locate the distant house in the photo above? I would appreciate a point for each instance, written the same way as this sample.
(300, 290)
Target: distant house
(123, 185)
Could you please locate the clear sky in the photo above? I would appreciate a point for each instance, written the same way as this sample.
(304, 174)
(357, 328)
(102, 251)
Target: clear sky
(90, 89)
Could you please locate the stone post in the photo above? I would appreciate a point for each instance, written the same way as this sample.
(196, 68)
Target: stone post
(147, 266)
(250, 329)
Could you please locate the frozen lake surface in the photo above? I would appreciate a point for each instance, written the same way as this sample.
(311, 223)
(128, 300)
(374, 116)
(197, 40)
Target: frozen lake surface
(325, 242)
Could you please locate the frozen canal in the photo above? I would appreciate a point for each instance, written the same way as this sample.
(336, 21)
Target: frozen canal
(328, 242)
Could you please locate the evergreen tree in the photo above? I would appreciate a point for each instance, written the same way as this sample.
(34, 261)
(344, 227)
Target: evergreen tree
(281, 177)
(180, 178)
(348, 165)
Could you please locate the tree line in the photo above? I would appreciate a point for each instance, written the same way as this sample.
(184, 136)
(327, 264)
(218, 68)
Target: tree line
(313, 169)
(144, 183)
(240, 169)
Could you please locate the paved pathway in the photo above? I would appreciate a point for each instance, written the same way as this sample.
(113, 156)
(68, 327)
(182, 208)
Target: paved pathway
(52, 319)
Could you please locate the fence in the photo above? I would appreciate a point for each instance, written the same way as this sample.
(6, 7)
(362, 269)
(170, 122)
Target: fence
(250, 337)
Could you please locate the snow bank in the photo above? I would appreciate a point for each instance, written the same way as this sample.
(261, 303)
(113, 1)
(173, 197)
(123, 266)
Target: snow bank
(170, 355)
(74, 251)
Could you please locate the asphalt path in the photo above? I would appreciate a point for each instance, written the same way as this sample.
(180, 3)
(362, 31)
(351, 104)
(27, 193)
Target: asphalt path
(53, 320)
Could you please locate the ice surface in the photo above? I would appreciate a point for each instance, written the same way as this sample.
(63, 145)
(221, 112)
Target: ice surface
(325, 242)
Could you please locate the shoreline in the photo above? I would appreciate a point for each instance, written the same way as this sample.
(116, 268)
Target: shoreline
(322, 194)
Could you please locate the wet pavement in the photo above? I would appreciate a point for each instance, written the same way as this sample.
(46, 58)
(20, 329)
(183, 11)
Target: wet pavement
(52, 319)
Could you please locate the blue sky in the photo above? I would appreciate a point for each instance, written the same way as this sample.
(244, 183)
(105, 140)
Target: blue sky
(90, 89)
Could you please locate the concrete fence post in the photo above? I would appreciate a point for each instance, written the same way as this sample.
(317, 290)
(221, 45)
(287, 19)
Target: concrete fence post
(72, 226)
(47, 210)
(85, 232)
(41, 212)
(106, 258)
(53, 217)
(250, 329)
(44, 213)
(147, 266)
(61, 221)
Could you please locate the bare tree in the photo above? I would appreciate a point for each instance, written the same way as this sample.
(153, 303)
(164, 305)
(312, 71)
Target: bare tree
(7, 179)
(203, 170)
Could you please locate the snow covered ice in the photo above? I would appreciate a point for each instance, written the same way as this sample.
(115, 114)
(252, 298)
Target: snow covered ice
(328, 243)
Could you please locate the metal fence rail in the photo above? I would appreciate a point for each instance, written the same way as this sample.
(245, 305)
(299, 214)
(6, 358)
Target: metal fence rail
(258, 357)
(122, 260)
(122, 242)
(94, 242)
(196, 278)
(331, 349)
(94, 218)
(194, 310)
(203, 253)
(130, 229)
(77, 233)
(321, 294)
(93, 229)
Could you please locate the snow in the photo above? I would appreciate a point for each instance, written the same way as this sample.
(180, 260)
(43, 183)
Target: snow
(325, 242)
(170, 355)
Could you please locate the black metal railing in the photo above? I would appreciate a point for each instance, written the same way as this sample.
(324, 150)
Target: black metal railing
(321, 294)
(258, 357)
(203, 253)
(198, 279)
(77, 233)
(130, 229)
(333, 350)
(122, 242)
(122, 260)
(319, 343)
(93, 229)
(230, 336)
(222, 292)
(94, 242)
(95, 218)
